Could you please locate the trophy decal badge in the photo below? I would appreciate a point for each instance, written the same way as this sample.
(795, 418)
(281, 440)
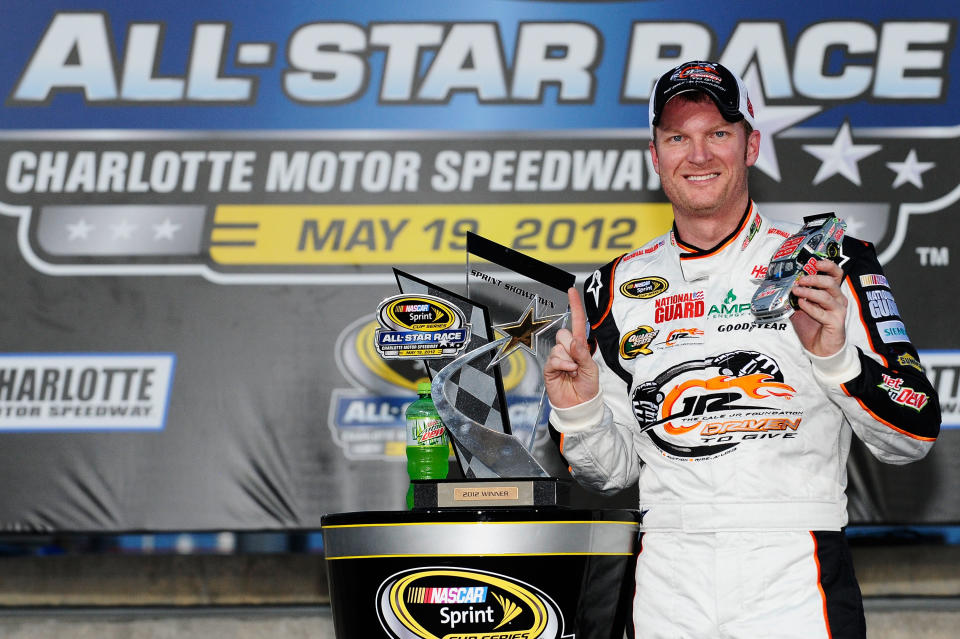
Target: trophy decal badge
(420, 327)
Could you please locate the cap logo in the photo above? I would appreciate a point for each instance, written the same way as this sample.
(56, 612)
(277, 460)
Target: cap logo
(697, 72)
(719, 83)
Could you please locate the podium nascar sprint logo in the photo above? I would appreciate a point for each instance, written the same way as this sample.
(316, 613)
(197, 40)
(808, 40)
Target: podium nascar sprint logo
(459, 603)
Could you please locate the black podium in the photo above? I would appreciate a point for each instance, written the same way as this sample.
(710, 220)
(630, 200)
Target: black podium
(508, 573)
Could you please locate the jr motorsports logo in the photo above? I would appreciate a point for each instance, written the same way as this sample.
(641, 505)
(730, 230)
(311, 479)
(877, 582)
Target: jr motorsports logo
(84, 391)
(460, 603)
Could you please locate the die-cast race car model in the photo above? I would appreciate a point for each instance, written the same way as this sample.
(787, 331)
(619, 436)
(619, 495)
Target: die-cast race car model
(819, 238)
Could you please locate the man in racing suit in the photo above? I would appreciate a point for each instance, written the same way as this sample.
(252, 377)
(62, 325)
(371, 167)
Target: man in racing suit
(737, 432)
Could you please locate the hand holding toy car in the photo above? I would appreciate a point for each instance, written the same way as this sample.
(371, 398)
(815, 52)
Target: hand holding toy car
(821, 310)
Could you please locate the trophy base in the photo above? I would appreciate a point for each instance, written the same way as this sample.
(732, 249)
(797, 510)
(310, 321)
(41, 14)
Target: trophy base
(491, 492)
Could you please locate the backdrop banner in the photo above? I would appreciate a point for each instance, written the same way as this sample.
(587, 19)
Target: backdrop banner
(202, 204)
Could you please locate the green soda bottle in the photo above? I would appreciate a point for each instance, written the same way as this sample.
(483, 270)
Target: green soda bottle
(428, 447)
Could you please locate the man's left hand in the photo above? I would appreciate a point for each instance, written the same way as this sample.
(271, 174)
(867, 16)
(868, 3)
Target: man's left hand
(819, 321)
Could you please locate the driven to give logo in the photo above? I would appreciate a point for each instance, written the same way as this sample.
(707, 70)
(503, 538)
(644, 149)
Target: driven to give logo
(690, 414)
(460, 603)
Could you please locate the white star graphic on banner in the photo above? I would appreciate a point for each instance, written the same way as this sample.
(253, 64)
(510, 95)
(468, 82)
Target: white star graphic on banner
(165, 230)
(771, 120)
(910, 170)
(80, 230)
(124, 230)
(841, 156)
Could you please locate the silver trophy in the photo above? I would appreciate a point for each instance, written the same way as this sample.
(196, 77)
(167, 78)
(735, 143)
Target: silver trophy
(491, 397)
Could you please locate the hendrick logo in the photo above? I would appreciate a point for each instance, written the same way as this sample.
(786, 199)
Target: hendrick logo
(758, 272)
(461, 603)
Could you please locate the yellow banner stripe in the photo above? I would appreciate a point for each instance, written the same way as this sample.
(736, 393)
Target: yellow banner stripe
(430, 234)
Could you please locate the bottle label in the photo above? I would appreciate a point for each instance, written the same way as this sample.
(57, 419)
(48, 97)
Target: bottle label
(426, 431)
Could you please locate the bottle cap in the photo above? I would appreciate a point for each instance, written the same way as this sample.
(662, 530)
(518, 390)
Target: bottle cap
(423, 387)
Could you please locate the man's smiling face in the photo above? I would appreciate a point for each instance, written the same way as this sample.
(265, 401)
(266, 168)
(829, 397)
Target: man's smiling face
(702, 159)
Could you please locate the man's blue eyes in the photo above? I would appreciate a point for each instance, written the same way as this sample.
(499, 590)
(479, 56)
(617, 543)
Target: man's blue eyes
(718, 134)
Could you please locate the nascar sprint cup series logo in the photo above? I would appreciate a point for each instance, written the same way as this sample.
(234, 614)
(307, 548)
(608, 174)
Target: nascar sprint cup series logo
(460, 603)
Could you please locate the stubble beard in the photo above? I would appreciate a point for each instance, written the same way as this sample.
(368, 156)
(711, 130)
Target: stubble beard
(700, 209)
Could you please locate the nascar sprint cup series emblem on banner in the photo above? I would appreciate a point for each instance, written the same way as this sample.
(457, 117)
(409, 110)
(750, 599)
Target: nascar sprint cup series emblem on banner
(459, 603)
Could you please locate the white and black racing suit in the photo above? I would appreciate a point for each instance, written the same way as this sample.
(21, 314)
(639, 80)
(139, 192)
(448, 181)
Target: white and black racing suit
(737, 435)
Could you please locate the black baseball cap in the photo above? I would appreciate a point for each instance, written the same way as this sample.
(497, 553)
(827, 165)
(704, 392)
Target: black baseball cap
(720, 83)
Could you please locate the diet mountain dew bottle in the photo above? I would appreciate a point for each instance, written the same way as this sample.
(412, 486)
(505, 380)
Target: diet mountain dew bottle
(427, 445)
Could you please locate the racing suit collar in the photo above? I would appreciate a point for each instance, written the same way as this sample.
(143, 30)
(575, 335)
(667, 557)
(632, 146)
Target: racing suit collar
(697, 263)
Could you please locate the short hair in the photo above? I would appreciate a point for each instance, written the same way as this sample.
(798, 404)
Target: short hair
(700, 97)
